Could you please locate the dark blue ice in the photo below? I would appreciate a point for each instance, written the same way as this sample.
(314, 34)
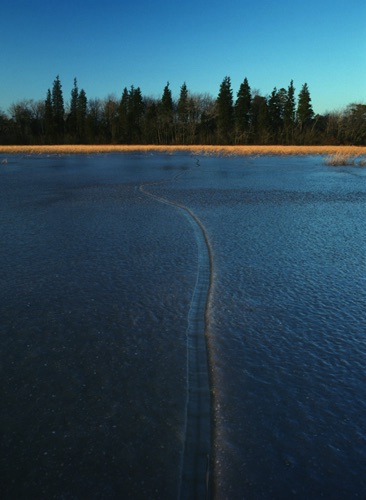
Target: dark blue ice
(96, 286)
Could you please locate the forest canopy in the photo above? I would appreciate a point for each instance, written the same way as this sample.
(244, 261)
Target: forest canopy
(284, 117)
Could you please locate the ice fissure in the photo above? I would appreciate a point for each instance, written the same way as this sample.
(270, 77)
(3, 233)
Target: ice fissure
(196, 453)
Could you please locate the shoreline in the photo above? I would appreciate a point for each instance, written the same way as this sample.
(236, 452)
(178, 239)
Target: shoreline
(194, 149)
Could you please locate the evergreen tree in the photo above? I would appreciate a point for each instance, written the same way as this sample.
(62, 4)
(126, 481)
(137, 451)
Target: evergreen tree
(81, 114)
(166, 116)
(48, 119)
(225, 112)
(167, 101)
(72, 126)
(289, 113)
(197, 118)
(123, 117)
(58, 110)
(242, 112)
(135, 115)
(183, 113)
(304, 113)
(182, 106)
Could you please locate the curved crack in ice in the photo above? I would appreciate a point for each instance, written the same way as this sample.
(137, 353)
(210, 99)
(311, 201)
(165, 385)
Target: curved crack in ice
(196, 455)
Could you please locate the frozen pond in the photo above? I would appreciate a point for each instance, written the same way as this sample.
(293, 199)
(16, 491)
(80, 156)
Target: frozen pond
(97, 279)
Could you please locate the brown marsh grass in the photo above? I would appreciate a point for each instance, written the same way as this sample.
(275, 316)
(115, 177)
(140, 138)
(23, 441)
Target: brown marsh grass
(333, 152)
(340, 159)
(343, 159)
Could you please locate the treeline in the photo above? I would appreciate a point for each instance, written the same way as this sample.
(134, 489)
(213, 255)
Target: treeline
(250, 118)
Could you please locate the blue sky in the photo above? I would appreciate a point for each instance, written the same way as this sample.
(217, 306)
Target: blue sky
(111, 44)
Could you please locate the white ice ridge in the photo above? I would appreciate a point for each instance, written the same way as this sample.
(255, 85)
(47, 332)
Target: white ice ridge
(196, 453)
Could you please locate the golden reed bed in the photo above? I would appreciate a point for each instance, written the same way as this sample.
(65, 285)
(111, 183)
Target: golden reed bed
(206, 150)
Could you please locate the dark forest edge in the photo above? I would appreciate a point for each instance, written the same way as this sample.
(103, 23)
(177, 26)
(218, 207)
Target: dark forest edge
(250, 119)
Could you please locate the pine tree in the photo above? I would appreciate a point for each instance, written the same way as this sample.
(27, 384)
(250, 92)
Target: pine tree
(183, 113)
(242, 112)
(48, 119)
(304, 113)
(72, 126)
(182, 106)
(58, 110)
(166, 113)
(123, 117)
(135, 114)
(225, 112)
(289, 113)
(81, 114)
(167, 100)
